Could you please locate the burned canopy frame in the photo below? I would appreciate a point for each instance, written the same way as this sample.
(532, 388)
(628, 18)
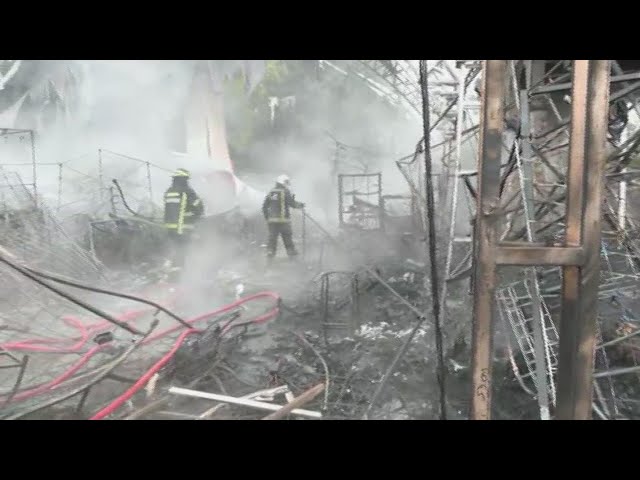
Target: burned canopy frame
(362, 203)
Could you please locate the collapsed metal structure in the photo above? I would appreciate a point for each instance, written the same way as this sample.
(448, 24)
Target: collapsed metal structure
(540, 178)
(561, 325)
(578, 255)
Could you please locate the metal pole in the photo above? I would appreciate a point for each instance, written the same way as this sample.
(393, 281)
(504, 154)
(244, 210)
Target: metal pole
(431, 235)
(355, 293)
(622, 203)
(526, 177)
(443, 181)
(453, 181)
(491, 127)
(589, 106)
(622, 188)
(324, 286)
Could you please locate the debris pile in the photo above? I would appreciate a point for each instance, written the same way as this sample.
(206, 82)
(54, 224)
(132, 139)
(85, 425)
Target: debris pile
(293, 354)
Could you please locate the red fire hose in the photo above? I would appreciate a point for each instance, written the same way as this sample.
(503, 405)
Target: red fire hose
(61, 345)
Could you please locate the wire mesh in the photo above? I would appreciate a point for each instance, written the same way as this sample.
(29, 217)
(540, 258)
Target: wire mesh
(46, 342)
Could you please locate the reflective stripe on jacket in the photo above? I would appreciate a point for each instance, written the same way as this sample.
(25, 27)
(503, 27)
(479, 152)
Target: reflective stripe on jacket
(181, 209)
(277, 204)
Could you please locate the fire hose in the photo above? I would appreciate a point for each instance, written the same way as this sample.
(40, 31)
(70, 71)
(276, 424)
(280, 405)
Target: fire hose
(104, 372)
(48, 345)
(28, 344)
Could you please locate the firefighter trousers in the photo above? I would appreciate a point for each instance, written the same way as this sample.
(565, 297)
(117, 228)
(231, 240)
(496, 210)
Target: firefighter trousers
(284, 230)
(178, 244)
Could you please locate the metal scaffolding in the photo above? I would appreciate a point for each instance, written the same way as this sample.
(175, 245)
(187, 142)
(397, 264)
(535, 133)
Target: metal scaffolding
(559, 321)
(536, 197)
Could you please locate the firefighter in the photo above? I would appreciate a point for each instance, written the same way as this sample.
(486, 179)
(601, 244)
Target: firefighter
(276, 212)
(182, 209)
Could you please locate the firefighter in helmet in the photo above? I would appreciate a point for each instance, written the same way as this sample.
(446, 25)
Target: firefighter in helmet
(276, 212)
(182, 209)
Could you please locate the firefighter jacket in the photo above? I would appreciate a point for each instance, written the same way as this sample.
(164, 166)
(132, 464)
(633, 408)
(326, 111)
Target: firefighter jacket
(277, 204)
(182, 207)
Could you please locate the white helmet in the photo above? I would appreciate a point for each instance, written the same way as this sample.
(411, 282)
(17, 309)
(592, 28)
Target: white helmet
(283, 180)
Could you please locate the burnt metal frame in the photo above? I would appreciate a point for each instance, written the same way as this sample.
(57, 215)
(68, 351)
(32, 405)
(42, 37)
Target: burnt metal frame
(579, 256)
(342, 195)
(354, 300)
(567, 86)
(526, 174)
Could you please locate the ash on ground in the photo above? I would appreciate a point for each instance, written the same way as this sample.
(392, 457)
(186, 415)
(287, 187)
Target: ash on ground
(350, 356)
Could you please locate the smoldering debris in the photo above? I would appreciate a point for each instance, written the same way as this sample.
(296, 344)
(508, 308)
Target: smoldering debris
(337, 326)
(294, 354)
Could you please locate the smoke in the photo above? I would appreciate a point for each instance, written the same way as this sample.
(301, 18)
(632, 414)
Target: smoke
(299, 143)
(124, 106)
(136, 108)
(130, 104)
(133, 112)
(300, 139)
